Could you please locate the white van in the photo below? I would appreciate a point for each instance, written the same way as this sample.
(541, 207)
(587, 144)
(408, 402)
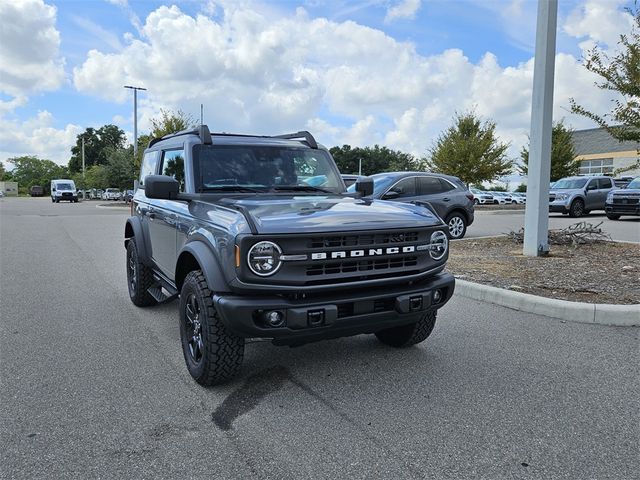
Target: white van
(63, 190)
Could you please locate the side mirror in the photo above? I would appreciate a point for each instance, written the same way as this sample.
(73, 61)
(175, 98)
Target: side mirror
(161, 186)
(390, 195)
(364, 186)
(591, 186)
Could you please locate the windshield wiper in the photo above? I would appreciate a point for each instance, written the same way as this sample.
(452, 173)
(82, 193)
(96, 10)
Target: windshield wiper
(300, 188)
(232, 188)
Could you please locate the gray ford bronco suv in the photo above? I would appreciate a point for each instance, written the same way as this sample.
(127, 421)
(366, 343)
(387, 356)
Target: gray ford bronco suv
(258, 238)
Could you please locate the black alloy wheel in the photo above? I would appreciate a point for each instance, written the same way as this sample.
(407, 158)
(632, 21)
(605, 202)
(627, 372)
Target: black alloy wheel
(577, 208)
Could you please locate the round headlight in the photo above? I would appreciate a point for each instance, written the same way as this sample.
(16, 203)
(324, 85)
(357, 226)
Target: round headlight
(264, 258)
(439, 245)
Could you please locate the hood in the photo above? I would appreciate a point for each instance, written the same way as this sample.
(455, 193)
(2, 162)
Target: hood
(314, 214)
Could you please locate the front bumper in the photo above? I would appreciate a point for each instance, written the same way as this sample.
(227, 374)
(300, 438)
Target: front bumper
(559, 207)
(333, 315)
(622, 209)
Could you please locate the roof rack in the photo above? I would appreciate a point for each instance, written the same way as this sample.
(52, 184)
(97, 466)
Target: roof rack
(302, 134)
(205, 136)
(202, 131)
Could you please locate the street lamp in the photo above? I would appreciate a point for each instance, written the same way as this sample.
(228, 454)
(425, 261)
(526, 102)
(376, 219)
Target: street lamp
(135, 117)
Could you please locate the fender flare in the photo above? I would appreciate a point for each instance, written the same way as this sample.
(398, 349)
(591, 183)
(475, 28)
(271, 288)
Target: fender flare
(207, 262)
(133, 231)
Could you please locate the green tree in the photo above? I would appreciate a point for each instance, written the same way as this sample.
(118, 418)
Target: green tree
(563, 154)
(120, 169)
(522, 188)
(3, 173)
(620, 73)
(30, 170)
(171, 122)
(375, 159)
(470, 150)
(96, 145)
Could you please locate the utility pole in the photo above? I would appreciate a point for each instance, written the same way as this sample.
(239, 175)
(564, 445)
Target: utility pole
(83, 160)
(135, 117)
(536, 218)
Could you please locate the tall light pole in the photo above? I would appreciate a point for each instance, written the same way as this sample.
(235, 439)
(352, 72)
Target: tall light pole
(536, 217)
(135, 117)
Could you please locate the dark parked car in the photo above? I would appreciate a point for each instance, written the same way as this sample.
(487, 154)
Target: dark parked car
(36, 191)
(624, 201)
(448, 195)
(128, 195)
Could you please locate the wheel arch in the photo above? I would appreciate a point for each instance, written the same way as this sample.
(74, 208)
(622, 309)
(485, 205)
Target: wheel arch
(133, 232)
(198, 256)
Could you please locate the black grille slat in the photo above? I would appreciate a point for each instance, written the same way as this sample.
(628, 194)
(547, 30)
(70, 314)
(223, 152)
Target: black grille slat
(362, 240)
(334, 268)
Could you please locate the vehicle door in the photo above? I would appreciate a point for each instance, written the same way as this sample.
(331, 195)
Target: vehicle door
(604, 186)
(591, 194)
(163, 216)
(439, 193)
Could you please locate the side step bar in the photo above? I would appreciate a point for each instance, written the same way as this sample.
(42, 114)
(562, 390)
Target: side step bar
(162, 291)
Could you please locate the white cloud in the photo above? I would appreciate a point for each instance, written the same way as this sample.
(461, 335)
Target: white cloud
(598, 21)
(38, 136)
(29, 44)
(403, 9)
(259, 72)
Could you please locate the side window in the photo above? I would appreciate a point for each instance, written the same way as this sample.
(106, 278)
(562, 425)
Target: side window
(446, 186)
(592, 185)
(405, 187)
(604, 183)
(173, 165)
(430, 185)
(149, 164)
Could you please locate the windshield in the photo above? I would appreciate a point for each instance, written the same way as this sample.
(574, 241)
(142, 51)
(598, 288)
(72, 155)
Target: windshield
(570, 183)
(112, 190)
(635, 183)
(64, 186)
(262, 168)
(380, 184)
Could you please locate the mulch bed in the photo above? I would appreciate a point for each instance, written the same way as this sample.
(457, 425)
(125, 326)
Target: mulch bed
(602, 272)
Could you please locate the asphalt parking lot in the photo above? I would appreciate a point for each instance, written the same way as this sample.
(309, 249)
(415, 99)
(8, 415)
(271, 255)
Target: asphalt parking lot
(499, 221)
(92, 386)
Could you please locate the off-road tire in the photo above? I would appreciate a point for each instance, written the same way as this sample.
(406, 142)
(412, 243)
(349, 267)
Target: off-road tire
(476, 201)
(138, 286)
(577, 208)
(459, 224)
(221, 351)
(613, 216)
(411, 334)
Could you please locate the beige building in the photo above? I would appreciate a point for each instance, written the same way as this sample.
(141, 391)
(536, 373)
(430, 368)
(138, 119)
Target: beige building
(601, 154)
(9, 188)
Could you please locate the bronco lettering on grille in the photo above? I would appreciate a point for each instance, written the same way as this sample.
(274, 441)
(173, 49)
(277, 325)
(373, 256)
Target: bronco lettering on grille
(371, 252)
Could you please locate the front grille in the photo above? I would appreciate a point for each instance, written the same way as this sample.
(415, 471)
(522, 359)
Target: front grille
(625, 200)
(345, 257)
(350, 266)
(362, 240)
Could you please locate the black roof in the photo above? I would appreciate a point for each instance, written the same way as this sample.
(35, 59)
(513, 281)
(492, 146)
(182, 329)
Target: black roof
(598, 140)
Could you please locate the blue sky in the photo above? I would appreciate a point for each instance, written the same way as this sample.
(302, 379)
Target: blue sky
(391, 72)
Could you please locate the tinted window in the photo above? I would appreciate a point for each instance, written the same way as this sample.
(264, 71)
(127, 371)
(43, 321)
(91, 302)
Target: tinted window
(429, 185)
(263, 167)
(604, 183)
(592, 185)
(149, 165)
(173, 165)
(405, 187)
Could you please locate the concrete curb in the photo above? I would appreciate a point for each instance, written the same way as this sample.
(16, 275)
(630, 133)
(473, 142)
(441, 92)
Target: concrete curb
(600, 313)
